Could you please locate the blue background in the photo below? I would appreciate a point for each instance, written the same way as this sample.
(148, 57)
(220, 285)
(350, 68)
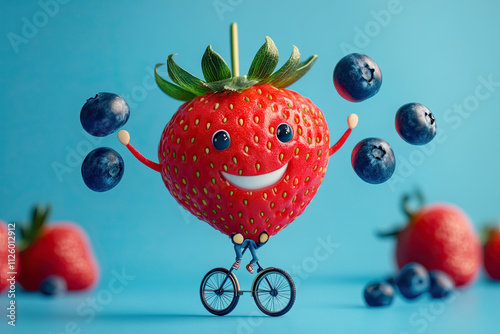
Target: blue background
(429, 52)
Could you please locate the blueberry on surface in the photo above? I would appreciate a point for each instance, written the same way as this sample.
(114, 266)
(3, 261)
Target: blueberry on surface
(102, 169)
(415, 124)
(441, 284)
(413, 280)
(357, 77)
(104, 114)
(373, 160)
(53, 285)
(379, 294)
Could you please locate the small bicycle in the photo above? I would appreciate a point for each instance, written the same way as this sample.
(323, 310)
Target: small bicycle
(273, 291)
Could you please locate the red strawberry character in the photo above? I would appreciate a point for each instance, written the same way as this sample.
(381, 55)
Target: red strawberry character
(440, 237)
(59, 249)
(243, 153)
(492, 252)
(9, 262)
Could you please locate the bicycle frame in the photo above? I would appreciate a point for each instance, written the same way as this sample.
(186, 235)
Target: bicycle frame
(272, 289)
(240, 292)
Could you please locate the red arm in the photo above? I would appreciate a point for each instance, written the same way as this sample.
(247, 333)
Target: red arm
(124, 138)
(352, 121)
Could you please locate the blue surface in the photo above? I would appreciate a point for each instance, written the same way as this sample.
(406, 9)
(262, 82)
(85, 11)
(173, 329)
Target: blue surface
(436, 53)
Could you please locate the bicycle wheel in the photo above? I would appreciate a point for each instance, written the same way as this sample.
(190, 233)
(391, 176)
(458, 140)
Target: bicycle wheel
(217, 299)
(274, 291)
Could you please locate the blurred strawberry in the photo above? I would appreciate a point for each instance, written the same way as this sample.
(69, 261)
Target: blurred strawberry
(5, 256)
(60, 249)
(439, 237)
(492, 252)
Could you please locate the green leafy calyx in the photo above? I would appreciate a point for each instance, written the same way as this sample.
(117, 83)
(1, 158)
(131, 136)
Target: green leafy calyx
(31, 232)
(218, 77)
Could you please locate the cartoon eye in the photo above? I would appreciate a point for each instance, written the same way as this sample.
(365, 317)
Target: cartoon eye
(284, 133)
(221, 140)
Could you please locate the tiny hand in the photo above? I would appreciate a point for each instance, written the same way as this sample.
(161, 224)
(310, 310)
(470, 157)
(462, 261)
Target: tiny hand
(352, 121)
(124, 137)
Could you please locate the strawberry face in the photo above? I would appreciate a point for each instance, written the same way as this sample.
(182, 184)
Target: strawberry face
(243, 153)
(263, 180)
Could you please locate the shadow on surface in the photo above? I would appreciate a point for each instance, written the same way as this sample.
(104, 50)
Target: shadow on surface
(347, 306)
(138, 316)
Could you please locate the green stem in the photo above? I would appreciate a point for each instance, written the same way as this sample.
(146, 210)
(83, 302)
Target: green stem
(31, 232)
(390, 233)
(235, 57)
(418, 196)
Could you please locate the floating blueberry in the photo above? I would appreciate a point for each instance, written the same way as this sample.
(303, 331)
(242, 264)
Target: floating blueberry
(53, 285)
(104, 114)
(415, 124)
(379, 294)
(357, 77)
(413, 280)
(102, 169)
(441, 285)
(373, 160)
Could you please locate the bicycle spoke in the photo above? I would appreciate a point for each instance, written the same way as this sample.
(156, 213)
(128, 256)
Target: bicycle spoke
(282, 282)
(218, 303)
(210, 295)
(216, 295)
(281, 302)
(268, 301)
(227, 298)
(211, 284)
(227, 285)
(274, 293)
(218, 281)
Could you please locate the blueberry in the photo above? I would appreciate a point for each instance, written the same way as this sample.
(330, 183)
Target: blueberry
(221, 140)
(415, 124)
(104, 114)
(357, 77)
(379, 294)
(413, 280)
(373, 160)
(102, 169)
(53, 285)
(441, 285)
(284, 133)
